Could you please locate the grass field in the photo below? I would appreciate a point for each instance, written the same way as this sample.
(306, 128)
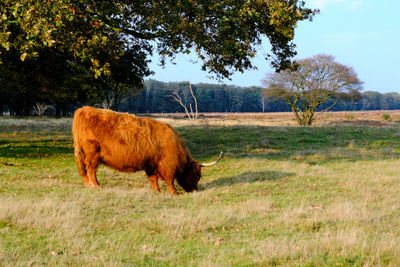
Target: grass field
(282, 195)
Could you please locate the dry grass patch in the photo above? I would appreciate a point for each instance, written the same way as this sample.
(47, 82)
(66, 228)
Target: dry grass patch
(47, 213)
(351, 118)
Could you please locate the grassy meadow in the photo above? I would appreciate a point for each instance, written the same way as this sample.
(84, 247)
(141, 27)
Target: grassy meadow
(282, 195)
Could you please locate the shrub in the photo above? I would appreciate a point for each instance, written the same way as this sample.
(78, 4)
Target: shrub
(386, 117)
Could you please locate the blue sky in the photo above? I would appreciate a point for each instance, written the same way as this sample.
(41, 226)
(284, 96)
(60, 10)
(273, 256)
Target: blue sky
(364, 34)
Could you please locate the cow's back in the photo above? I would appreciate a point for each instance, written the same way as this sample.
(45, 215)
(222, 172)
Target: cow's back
(94, 124)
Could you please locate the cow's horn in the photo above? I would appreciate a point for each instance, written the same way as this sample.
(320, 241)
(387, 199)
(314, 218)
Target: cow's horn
(211, 163)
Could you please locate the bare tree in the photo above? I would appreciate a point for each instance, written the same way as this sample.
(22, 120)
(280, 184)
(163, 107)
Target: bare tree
(176, 94)
(316, 80)
(41, 108)
(110, 100)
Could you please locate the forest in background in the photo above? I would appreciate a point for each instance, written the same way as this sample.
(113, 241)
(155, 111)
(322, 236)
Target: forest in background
(156, 97)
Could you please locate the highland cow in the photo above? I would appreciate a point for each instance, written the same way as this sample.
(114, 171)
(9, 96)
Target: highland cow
(130, 143)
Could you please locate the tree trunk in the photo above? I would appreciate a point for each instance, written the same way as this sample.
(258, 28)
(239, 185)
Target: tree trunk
(58, 110)
(296, 115)
(304, 118)
(64, 109)
(18, 109)
(61, 109)
(307, 117)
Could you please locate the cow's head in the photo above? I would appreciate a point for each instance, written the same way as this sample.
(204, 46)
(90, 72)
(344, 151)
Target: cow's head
(189, 179)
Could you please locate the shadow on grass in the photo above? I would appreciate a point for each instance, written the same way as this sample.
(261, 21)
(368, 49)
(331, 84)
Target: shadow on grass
(35, 148)
(311, 144)
(246, 178)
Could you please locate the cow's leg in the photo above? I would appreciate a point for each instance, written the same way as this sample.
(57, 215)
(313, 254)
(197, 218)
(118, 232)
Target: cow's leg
(168, 175)
(170, 182)
(86, 180)
(80, 163)
(171, 187)
(92, 176)
(154, 182)
(85, 176)
(92, 161)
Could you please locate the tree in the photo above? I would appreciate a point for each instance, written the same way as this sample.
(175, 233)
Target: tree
(40, 108)
(59, 43)
(317, 80)
(180, 95)
(224, 34)
(17, 83)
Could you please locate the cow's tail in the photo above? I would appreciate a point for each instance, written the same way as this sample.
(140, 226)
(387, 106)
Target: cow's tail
(78, 151)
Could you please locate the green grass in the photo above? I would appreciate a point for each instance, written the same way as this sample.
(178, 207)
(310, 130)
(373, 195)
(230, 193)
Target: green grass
(280, 196)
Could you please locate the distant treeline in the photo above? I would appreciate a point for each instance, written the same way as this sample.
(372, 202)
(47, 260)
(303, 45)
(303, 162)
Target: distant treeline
(156, 98)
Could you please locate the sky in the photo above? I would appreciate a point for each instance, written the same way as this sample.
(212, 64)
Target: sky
(363, 34)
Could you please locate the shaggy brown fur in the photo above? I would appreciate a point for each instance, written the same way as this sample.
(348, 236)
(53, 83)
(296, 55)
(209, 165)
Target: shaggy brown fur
(129, 143)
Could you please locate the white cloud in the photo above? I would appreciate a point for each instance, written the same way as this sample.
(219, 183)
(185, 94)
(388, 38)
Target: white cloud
(350, 4)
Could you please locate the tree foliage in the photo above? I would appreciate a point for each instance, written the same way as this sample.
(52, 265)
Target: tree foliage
(223, 33)
(315, 81)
